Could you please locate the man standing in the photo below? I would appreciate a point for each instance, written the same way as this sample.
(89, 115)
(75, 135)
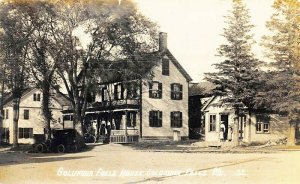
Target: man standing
(222, 131)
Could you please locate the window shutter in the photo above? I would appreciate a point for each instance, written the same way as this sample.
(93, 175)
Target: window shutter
(172, 91)
(122, 91)
(116, 92)
(180, 113)
(150, 118)
(160, 118)
(102, 95)
(172, 119)
(181, 92)
(160, 89)
(150, 90)
(20, 132)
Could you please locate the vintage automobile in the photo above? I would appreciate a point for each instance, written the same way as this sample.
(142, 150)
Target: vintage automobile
(60, 141)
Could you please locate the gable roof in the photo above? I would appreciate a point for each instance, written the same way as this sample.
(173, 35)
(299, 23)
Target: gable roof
(178, 65)
(207, 103)
(58, 97)
(61, 99)
(203, 89)
(9, 98)
(147, 59)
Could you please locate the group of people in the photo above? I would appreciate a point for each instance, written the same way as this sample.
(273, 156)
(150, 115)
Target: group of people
(225, 135)
(106, 127)
(103, 128)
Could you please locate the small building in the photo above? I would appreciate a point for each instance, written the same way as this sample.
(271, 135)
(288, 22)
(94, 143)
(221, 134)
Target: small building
(199, 94)
(253, 126)
(143, 109)
(31, 122)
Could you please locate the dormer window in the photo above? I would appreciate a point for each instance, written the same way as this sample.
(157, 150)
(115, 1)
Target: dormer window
(36, 97)
(165, 67)
(155, 90)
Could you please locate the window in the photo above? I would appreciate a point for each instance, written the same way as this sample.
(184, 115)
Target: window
(212, 123)
(25, 133)
(165, 67)
(118, 92)
(176, 91)
(36, 97)
(5, 135)
(176, 119)
(155, 90)
(132, 90)
(155, 118)
(262, 124)
(131, 119)
(26, 114)
(91, 96)
(104, 94)
(68, 118)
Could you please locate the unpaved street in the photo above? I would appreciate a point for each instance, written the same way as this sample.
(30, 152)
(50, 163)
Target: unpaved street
(123, 164)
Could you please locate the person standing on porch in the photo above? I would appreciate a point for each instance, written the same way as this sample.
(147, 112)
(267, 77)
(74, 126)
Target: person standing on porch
(102, 127)
(113, 125)
(222, 131)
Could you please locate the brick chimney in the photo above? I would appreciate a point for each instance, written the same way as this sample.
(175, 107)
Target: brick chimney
(163, 37)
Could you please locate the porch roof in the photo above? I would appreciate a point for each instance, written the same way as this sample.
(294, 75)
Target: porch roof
(97, 109)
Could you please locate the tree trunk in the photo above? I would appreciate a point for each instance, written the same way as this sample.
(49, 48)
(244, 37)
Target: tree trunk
(80, 142)
(46, 107)
(235, 137)
(16, 109)
(292, 133)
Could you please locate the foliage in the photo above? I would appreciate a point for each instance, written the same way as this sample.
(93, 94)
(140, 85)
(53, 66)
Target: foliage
(237, 79)
(282, 91)
(76, 43)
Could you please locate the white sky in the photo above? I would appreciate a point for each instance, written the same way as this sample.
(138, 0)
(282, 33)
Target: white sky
(194, 28)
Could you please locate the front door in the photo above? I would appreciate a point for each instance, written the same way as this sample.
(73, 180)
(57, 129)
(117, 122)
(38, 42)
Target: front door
(224, 119)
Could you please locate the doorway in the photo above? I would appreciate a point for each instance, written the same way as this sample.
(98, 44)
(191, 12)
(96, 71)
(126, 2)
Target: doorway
(224, 119)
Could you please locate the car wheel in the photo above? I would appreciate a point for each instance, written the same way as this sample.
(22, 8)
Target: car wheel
(39, 148)
(74, 148)
(61, 148)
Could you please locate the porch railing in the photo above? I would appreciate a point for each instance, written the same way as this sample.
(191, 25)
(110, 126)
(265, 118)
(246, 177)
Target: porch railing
(119, 136)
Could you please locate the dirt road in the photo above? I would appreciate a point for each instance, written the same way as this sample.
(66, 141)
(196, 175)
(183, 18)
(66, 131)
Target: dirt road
(123, 164)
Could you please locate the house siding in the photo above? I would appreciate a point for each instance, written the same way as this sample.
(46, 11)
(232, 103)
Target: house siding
(278, 125)
(278, 129)
(165, 104)
(35, 120)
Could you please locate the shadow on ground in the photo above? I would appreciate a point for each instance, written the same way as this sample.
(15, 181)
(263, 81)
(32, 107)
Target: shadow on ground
(162, 145)
(24, 155)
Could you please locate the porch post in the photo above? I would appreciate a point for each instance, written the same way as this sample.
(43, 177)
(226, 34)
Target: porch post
(126, 137)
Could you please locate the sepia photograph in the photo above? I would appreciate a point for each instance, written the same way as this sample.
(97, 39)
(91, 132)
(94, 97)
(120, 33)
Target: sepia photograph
(149, 91)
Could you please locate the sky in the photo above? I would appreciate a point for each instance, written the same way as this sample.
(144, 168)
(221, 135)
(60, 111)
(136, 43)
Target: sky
(194, 28)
